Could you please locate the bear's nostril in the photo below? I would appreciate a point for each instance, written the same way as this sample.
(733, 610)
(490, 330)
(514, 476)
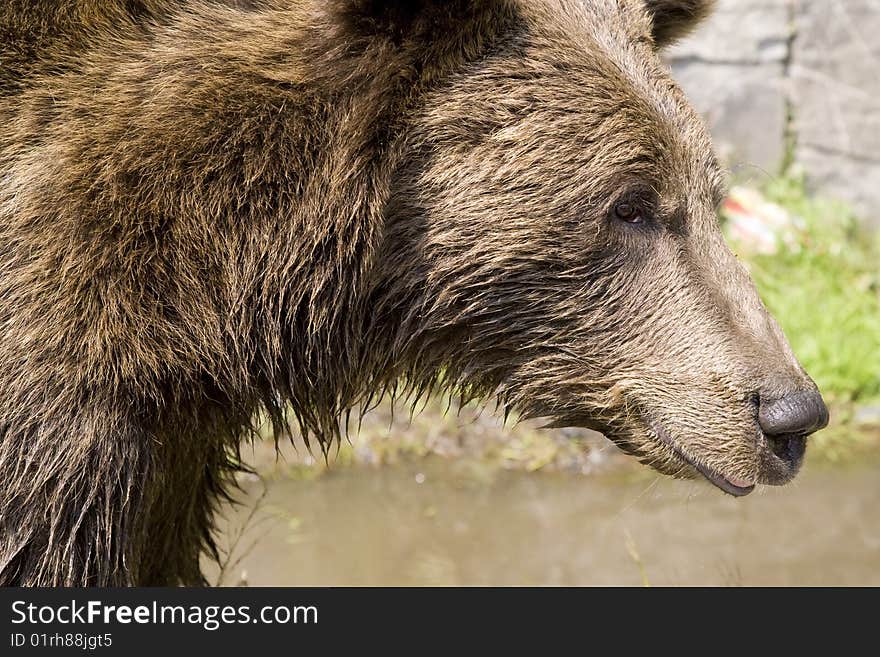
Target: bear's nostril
(796, 414)
(788, 448)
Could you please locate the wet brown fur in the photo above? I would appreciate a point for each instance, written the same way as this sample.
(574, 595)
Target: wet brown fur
(210, 210)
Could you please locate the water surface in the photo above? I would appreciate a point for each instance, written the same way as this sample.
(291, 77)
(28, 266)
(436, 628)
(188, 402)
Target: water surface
(438, 521)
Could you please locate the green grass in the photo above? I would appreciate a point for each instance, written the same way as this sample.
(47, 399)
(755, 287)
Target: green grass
(824, 289)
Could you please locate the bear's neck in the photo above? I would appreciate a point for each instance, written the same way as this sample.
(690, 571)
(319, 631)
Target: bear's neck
(351, 98)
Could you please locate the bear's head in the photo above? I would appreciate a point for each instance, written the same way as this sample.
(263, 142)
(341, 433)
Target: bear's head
(552, 239)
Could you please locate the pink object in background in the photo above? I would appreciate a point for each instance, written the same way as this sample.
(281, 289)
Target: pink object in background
(757, 225)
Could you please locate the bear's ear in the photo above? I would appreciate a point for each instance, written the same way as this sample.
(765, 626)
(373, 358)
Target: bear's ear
(399, 18)
(673, 19)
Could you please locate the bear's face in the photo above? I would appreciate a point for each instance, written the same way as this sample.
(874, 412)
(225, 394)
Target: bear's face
(568, 246)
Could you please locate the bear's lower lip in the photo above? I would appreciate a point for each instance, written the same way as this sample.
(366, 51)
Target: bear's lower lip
(731, 486)
(738, 489)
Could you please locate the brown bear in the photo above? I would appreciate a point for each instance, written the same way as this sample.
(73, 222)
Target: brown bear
(210, 210)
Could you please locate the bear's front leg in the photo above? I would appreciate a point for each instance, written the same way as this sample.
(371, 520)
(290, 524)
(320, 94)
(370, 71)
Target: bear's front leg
(75, 488)
(78, 492)
(108, 495)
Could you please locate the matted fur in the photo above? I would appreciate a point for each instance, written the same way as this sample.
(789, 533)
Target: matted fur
(213, 209)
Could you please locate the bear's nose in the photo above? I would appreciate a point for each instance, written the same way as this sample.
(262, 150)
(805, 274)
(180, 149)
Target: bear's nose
(796, 414)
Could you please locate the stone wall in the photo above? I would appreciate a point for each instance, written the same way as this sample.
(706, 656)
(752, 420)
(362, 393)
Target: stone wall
(792, 82)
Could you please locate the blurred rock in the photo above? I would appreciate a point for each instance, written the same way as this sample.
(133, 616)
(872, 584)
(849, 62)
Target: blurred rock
(762, 71)
(867, 415)
(733, 70)
(835, 77)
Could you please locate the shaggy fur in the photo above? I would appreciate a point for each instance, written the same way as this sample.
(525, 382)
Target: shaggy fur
(214, 209)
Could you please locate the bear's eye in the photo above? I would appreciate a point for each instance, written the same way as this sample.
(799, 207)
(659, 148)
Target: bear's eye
(629, 212)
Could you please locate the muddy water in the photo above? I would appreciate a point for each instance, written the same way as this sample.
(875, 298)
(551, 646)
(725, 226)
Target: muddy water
(445, 522)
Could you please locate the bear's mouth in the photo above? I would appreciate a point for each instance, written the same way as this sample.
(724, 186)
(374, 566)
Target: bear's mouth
(730, 485)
